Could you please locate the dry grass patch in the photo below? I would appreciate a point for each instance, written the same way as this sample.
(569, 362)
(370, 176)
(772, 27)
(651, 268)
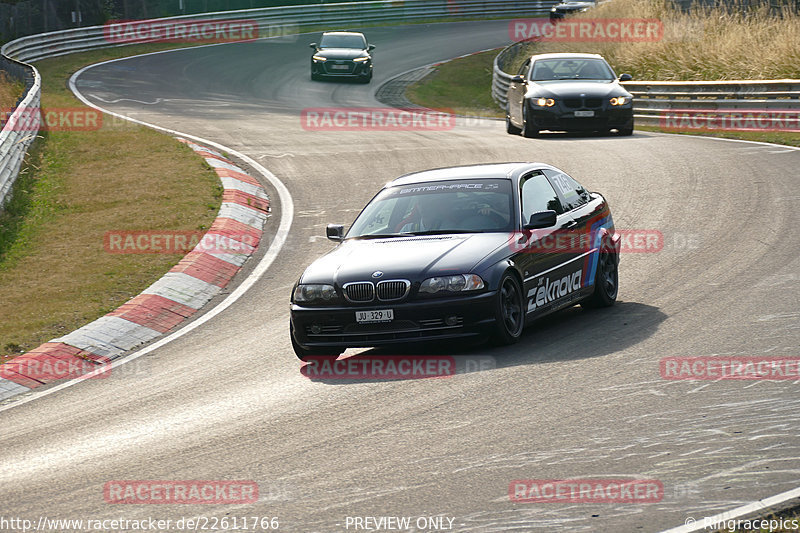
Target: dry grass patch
(703, 44)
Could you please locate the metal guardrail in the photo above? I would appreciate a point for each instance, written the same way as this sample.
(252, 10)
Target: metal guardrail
(22, 125)
(271, 21)
(652, 99)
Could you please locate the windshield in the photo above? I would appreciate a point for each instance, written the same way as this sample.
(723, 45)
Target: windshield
(462, 206)
(571, 69)
(343, 41)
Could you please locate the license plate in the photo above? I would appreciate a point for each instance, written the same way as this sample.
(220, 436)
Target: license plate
(340, 67)
(381, 315)
(584, 113)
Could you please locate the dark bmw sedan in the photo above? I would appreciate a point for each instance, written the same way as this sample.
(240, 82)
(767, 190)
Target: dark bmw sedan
(474, 251)
(342, 54)
(568, 92)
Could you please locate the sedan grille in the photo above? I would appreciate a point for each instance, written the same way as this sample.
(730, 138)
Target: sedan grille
(594, 102)
(388, 290)
(583, 102)
(393, 289)
(362, 291)
(573, 102)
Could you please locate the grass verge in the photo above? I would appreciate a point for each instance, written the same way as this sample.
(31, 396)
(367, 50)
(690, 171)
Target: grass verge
(10, 91)
(55, 274)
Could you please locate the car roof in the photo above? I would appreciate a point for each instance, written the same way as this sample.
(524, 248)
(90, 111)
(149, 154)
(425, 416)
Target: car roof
(342, 33)
(508, 171)
(564, 55)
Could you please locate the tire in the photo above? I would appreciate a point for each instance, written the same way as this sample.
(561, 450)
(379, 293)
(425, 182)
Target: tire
(509, 311)
(314, 77)
(511, 129)
(627, 130)
(606, 284)
(528, 129)
(304, 354)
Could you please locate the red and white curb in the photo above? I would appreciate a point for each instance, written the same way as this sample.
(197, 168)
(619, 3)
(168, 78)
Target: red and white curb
(179, 294)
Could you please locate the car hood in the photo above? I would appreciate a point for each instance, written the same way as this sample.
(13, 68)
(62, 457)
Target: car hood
(575, 88)
(341, 53)
(413, 258)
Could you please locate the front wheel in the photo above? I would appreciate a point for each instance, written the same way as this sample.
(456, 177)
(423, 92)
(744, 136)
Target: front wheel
(511, 128)
(509, 311)
(529, 129)
(606, 285)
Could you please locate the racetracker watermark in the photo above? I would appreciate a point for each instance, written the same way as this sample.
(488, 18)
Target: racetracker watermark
(731, 120)
(730, 368)
(586, 490)
(51, 119)
(375, 119)
(380, 367)
(176, 242)
(568, 241)
(47, 368)
(185, 492)
(587, 30)
(180, 31)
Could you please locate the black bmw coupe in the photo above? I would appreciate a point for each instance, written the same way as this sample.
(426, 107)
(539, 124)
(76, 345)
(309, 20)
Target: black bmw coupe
(572, 92)
(471, 251)
(342, 54)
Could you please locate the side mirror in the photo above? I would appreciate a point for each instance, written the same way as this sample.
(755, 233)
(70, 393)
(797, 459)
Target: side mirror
(335, 232)
(625, 77)
(541, 219)
(518, 79)
(371, 47)
(312, 45)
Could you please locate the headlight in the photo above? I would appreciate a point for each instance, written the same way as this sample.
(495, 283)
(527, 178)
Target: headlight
(313, 292)
(319, 58)
(620, 100)
(360, 59)
(457, 283)
(544, 102)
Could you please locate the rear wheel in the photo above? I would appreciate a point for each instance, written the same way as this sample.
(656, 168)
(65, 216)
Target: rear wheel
(606, 285)
(509, 311)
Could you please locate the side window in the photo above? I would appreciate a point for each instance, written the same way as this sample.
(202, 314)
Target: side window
(523, 70)
(536, 194)
(573, 192)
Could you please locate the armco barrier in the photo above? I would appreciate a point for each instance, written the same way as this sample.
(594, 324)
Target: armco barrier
(271, 21)
(14, 141)
(652, 99)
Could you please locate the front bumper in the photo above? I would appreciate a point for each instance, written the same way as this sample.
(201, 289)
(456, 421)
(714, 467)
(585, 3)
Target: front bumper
(341, 68)
(561, 118)
(414, 321)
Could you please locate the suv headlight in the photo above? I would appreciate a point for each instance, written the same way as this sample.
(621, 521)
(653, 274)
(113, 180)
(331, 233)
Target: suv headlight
(457, 283)
(360, 59)
(319, 58)
(620, 100)
(314, 292)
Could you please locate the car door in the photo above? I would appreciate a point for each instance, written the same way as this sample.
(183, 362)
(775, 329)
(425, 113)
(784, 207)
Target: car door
(550, 271)
(590, 216)
(516, 94)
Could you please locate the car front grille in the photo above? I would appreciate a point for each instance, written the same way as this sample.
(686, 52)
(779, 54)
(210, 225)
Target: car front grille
(365, 291)
(575, 103)
(333, 66)
(393, 289)
(362, 291)
(593, 102)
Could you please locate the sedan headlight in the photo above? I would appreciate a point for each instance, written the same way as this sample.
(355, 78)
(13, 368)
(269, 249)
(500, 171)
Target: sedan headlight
(457, 283)
(544, 102)
(360, 59)
(314, 292)
(620, 100)
(319, 58)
